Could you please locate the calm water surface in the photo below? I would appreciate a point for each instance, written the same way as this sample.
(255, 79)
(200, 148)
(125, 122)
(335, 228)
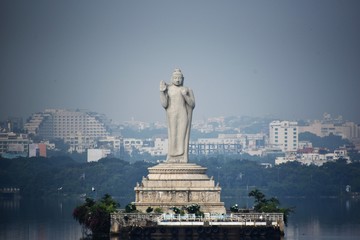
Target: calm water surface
(38, 219)
(334, 219)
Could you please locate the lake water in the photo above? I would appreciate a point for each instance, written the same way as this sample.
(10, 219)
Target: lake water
(335, 219)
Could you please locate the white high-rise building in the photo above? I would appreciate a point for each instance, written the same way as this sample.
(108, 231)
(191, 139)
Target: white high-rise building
(284, 135)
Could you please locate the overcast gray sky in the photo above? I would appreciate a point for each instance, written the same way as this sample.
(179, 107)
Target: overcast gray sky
(288, 59)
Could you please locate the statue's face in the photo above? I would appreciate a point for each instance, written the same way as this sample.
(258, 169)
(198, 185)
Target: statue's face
(177, 79)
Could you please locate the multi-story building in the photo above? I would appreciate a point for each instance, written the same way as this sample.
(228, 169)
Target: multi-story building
(132, 143)
(248, 141)
(14, 144)
(313, 157)
(37, 150)
(203, 146)
(33, 123)
(94, 155)
(284, 135)
(110, 142)
(158, 148)
(78, 128)
(79, 142)
(347, 130)
(330, 125)
(209, 146)
(223, 144)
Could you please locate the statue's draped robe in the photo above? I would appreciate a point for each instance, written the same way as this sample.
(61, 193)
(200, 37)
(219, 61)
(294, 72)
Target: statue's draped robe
(179, 115)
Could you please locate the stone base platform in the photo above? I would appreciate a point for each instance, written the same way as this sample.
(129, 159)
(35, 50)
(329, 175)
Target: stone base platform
(178, 184)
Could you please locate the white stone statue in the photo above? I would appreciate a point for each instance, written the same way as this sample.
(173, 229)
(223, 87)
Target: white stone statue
(179, 103)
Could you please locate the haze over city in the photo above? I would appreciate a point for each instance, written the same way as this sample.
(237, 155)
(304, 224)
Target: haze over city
(287, 59)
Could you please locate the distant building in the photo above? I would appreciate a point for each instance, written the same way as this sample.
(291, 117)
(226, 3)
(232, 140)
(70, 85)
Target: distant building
(110, 142)
(159, 148)
(12, 144)
(94, 155)
(330, 125)
(313, 157)
(80, 129)
(304, 145)
(348, 130)
(227, 144)
(37, 150)
(33, 123)
(132, 143)
(284, 135)
(210, 146)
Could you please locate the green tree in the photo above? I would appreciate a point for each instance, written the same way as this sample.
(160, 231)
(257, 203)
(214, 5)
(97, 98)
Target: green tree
(176, 210)
(234, 208)
(149, 210)
(195, 209)
(271, 205)
(95, 216)
(158, 210)
(130, 208)
(259, 197)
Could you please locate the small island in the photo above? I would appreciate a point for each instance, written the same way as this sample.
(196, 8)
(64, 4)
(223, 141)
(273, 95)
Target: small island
(177, 198)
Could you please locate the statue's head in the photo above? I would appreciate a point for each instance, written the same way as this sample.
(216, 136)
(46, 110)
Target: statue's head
(177, 77)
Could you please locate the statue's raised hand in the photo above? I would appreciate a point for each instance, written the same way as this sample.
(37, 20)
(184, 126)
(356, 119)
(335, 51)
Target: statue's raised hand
(163, 86)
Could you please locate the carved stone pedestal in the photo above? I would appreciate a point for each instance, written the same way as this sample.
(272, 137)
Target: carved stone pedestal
(178, 184)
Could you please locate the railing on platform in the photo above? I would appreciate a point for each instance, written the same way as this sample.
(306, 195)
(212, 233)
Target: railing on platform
(233, 217)
(126, 223)
(137, 219)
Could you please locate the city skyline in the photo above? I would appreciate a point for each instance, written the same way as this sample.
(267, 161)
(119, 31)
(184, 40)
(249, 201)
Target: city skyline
(321, 117)
(242, 58)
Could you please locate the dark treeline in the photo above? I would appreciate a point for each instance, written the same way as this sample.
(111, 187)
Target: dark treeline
(62, 176)
(290, 179)
(59, 176)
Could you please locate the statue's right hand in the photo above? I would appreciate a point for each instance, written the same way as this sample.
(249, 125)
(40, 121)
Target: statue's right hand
(162, 86)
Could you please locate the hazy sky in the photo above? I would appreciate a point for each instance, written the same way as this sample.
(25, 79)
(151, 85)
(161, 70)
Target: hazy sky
(288, 59)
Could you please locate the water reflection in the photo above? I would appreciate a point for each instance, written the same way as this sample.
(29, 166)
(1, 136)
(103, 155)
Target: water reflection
(327, 218)
(10, 203)
(37, 219)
